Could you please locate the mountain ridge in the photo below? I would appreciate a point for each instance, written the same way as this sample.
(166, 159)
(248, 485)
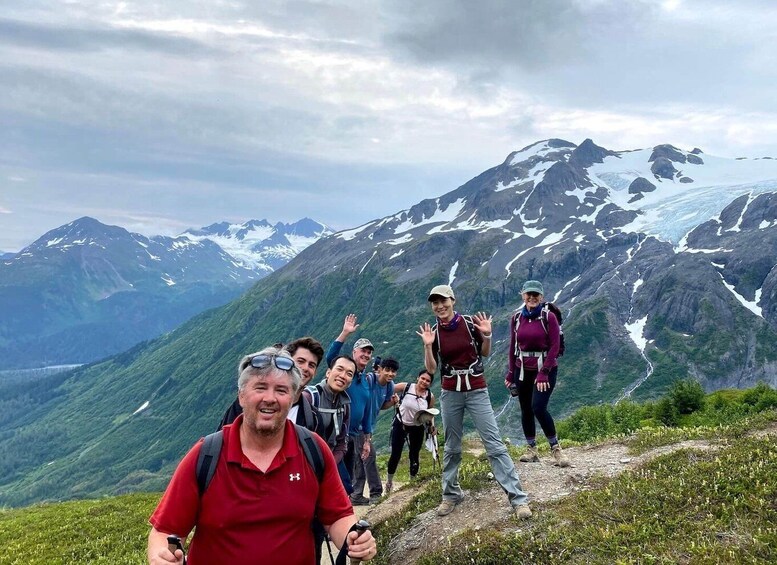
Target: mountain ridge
(86, 290)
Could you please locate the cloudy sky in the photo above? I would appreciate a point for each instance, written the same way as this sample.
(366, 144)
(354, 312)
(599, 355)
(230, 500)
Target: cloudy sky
(163, 115)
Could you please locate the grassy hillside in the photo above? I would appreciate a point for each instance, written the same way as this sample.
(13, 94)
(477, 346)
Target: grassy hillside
(691, 506)
(111, 530)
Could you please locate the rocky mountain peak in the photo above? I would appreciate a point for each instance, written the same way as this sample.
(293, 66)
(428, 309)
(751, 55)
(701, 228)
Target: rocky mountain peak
(588, 153)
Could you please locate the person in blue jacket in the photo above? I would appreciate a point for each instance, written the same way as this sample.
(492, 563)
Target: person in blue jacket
(360, 426)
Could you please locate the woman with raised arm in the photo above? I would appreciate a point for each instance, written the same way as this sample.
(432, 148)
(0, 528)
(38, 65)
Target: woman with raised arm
(457, 344)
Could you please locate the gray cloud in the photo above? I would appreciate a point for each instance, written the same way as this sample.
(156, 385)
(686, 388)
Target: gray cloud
(54, 37)
(528, 34)
(596, 53)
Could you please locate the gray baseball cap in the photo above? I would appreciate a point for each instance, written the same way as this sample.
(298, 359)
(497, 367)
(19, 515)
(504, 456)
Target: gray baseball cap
(362, 343)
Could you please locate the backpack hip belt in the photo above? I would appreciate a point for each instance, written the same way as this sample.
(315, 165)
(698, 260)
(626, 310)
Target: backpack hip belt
(540, 355)
(459, 373)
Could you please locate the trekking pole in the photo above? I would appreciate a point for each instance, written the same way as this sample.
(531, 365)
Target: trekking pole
(358, 527)
(173, 543)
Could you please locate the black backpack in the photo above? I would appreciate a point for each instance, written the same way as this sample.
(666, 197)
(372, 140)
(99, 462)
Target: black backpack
(547, 307)
(211, 449)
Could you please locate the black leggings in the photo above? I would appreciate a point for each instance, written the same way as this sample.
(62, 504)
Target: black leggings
(415, 435)
(534, 404)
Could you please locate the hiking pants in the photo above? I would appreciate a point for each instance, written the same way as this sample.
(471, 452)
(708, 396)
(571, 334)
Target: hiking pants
(415, 437)
(364, 471)
(534, 404)
(477, 404)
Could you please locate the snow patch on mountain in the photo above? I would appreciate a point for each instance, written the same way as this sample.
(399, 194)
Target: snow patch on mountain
(452, 274)
(439, 215)
(637, 333)
(348, 235)
(539, 149)
(751, 305)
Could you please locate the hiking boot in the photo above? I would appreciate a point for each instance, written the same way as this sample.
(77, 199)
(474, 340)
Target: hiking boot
(531, 455)
(446, 507)
(523, 512)
(375, 498)
(558, 455)
(389, 486)
(359, 500)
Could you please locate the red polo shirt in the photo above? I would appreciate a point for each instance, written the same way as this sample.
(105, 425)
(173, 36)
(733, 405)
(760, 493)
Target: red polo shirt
(250, 516)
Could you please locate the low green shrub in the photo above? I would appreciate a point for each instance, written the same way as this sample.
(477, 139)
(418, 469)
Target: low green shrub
(687, 396)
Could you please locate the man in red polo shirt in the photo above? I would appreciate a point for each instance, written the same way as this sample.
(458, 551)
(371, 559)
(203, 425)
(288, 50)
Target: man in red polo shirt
(259, 505)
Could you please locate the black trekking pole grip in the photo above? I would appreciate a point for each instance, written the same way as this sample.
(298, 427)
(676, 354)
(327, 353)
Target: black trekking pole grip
(173, 543)
(359, 527)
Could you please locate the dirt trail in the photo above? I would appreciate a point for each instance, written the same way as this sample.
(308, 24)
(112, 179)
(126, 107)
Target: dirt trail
(489, 508)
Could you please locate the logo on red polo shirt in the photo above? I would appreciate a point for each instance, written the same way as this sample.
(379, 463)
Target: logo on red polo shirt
(294, 477)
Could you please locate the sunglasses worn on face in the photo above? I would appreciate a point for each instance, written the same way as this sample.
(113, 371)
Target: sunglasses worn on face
(262, 361)
(533, 294)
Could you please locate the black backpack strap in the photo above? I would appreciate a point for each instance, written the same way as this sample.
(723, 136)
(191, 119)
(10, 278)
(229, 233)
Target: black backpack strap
(312, 451)
(308, 413)
(208, 459)
(472, 334)
(231, 414)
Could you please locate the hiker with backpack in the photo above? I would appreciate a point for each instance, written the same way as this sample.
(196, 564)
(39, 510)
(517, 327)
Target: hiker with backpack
(360, 449)
(382, 397)
(532, 366)
(457, 344)
(265, 491)
(332, 405)
(414, 399)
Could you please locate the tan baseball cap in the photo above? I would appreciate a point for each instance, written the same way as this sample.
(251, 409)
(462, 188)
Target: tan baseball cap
(441, 290)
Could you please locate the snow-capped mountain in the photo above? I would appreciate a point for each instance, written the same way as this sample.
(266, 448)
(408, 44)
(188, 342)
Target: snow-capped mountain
(672, 242)
(259, 245)
(663, 192)
(86, 289)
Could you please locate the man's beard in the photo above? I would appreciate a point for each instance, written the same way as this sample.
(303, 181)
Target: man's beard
(270, 432)
(263, 430)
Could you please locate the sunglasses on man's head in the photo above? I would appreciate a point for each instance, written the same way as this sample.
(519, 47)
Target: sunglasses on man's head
(533, 294)
(262, 361)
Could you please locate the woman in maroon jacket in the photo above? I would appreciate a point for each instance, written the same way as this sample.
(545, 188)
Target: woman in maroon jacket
(457, 343)
(532, 368)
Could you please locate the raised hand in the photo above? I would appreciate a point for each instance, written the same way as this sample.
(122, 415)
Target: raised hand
(426, 333)
(482, 322)
(350, 325)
